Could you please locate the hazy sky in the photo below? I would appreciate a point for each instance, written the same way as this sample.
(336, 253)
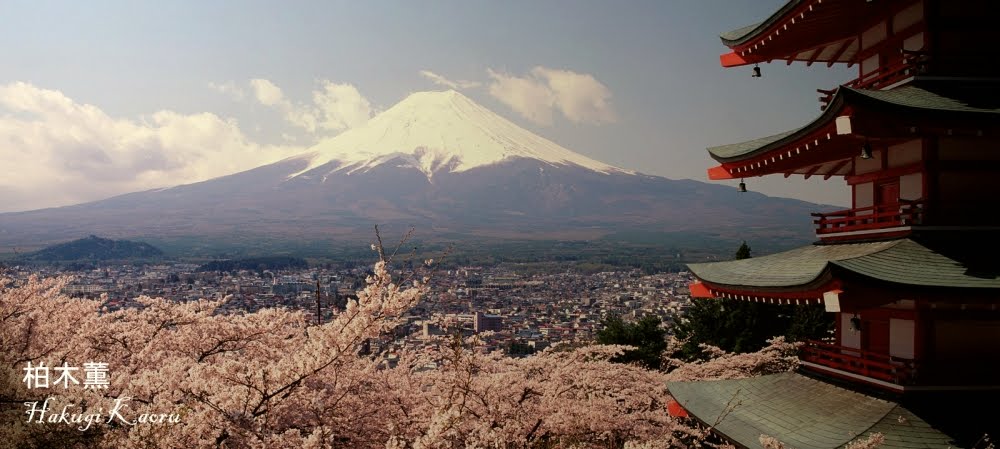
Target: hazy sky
(101, 98)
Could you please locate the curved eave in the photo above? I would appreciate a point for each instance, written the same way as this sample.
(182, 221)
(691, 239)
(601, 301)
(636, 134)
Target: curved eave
(755, 158)
(747, 150)
(798, 295)
(953, 266)
(822, 281)
(803, 267)
(808, 272)
(745, 34)
(805, 30)
(822, 145)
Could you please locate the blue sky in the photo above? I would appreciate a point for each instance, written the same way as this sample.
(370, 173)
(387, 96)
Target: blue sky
(101, 98)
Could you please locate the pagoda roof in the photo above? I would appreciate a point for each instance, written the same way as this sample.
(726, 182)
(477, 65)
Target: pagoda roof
(801, 412)
(934, 99)
(744, 34)
(809, 31)
(904, 262)
(928, 95)
(797, 267)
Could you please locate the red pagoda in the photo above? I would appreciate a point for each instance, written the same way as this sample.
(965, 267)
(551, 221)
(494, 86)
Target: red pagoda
(910, 271)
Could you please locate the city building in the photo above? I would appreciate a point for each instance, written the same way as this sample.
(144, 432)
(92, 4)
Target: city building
(911, 270)
(487, 322)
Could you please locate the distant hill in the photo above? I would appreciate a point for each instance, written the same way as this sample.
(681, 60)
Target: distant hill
(95, 248)
(256, 263)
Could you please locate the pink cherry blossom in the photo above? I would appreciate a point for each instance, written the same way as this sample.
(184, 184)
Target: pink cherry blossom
(273, 379)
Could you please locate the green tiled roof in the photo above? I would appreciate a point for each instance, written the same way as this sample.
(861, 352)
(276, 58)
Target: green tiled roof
(796, 267)
(734, 36)
(801, 412)
(740, 35)
(925, 95)
(900, 261)
(982, 99)
(738, 149)
(914, 264)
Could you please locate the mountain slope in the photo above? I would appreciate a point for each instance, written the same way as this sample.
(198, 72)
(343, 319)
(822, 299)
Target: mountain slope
(435, 131)
(436, 161)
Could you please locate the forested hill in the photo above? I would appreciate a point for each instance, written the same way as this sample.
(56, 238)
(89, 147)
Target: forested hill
(95, 248)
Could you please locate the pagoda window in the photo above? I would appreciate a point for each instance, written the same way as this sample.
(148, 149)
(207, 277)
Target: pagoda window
(849, 336)
(902, 338)
(864, 195)
(911, 186)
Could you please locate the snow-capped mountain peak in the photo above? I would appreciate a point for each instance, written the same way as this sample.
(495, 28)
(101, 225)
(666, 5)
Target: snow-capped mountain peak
(435, 131)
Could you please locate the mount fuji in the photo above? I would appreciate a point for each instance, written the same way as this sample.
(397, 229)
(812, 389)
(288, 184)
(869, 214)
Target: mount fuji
(436, 161)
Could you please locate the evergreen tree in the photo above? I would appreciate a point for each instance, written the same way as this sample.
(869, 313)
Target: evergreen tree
(810, 322)
(732, 325)
(646, 335)
(743, 252)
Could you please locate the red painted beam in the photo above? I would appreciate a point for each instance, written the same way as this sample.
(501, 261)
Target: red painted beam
(812, 171)
(733, 59)
(833, 171)
(700, 290)
(719, 173)
(840, 51)
(889, 173)
(813, 295)
(815, 54)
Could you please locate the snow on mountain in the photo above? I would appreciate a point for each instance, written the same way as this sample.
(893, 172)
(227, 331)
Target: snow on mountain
(440, 163)
(434, 131)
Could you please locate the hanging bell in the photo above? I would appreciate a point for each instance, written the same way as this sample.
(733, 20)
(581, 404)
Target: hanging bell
(866, 151)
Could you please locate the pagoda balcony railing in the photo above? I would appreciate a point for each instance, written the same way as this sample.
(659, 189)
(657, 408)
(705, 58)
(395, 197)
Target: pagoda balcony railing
(913, 63)
(874, 365)
(884, 216)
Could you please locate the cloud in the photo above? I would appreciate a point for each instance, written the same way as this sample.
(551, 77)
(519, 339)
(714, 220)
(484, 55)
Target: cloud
(333, 106)
(56, 151)
(579, 96)
(267, 93)
(340, 106)
(228, 88)
(538, 95)
(442, 81)
(528, 97)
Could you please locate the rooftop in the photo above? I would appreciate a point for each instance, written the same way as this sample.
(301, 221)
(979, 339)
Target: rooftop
(923, 96)
(802, 412)
(902, 261)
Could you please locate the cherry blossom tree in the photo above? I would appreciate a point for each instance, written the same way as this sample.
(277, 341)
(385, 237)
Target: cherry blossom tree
(778, 356)
(189, 375)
